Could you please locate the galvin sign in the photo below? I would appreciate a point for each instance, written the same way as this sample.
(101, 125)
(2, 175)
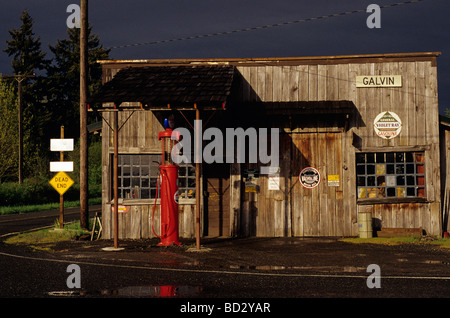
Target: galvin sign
(379, 81)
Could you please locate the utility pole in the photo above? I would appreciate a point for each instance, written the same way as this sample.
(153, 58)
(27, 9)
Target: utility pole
(19, 78)
(84, 208)
(61, 197)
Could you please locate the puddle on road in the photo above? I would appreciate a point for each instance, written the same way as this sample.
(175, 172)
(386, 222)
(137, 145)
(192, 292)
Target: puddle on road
(436, 262)
(134, 292)
(262, 267)
(347, 269)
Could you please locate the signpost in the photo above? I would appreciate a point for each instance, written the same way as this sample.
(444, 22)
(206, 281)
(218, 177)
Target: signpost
(61, 181)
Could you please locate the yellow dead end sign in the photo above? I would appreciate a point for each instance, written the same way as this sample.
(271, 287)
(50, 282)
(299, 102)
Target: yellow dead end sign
(61, 182)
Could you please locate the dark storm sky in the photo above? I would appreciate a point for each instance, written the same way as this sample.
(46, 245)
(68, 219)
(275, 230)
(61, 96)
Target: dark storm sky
(415, 27)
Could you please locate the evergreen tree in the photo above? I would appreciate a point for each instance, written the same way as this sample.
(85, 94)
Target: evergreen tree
(24, 48)
(64, 77)
(28, 59)
(8, 131)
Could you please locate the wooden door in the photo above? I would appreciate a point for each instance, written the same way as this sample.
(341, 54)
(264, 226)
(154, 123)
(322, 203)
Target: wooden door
(217, 199)
(317, 211)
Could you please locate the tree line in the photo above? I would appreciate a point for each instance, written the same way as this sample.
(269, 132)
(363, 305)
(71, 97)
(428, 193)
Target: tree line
(50, 98)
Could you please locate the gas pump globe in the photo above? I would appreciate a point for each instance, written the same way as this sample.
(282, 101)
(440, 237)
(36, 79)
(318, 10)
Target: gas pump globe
(169, 188)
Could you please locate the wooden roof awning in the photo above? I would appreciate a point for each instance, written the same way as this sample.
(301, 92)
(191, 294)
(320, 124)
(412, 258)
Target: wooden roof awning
(166, 87)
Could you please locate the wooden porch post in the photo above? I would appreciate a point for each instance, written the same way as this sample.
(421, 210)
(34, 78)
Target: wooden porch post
(116, 179)
(197, 181)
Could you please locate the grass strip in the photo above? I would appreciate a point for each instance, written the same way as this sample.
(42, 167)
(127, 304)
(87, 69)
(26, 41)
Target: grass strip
(433, 240)
(45, 239)
(42, 207)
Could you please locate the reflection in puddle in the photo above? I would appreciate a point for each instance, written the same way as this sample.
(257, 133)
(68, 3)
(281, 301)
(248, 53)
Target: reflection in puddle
(155, 291)
(135, 292)
(348, 269)
(261, 267)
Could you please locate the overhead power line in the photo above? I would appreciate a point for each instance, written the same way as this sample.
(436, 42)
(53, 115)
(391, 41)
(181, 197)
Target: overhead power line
(267, 26)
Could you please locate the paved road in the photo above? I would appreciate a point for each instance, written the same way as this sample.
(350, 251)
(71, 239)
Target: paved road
(12, 223)
(245, 270)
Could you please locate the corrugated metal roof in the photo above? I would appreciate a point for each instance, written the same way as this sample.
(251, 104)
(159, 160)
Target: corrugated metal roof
(162, 85)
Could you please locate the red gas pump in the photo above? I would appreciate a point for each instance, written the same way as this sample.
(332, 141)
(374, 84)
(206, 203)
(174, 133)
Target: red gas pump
(169, 188)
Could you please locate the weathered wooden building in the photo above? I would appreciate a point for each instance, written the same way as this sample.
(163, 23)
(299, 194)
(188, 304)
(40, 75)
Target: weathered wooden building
(366, 127)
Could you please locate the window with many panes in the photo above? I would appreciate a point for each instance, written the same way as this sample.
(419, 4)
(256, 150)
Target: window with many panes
(138, 176)
(186, 181)
(390, 175)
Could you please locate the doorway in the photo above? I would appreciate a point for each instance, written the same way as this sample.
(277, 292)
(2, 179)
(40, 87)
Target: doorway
(317, 211)
(216, 177)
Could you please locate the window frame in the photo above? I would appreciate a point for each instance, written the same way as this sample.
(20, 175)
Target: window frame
(151, 174)
(395, 174)
(184, 171)
(137, 173)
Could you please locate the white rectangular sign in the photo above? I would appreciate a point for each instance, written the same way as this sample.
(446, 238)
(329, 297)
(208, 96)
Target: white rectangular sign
(379, 81)
(65, 144)
(274, 182)
(66, 166)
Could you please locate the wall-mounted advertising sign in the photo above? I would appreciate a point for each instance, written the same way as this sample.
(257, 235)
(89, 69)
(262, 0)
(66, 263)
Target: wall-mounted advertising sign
(333, 180)
(387, 125)
(309, 178)
(379, 81)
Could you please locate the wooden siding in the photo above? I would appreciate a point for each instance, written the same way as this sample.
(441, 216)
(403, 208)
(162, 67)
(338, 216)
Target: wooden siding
(330, 147)
(138, 221)
(319, 212)
(445, 173)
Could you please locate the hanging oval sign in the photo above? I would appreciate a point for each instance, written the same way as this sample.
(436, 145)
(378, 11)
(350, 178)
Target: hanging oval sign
(309, 178)
(387, 125)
